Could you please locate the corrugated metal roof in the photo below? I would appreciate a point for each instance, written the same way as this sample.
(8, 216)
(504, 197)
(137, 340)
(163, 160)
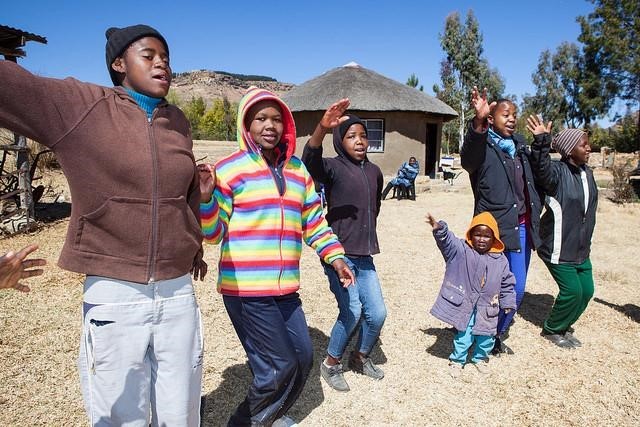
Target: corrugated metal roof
(12, 37)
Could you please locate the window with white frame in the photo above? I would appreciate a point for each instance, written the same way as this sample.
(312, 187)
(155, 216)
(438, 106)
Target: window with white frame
(375, 133)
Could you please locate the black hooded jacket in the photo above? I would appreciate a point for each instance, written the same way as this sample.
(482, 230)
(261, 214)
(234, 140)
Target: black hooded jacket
(494, 189)
(354, 192)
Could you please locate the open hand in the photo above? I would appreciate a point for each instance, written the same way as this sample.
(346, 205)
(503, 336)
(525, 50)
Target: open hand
(207, 173)
(199, 268)
(344, 273)
(536, 126)
(14, 266)
(435, 225)
(480, 104)
(334, 115)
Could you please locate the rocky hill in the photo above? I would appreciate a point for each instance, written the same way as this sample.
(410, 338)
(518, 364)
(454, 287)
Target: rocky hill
(211, 85)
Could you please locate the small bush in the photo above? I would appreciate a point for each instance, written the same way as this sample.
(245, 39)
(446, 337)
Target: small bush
(622, 192)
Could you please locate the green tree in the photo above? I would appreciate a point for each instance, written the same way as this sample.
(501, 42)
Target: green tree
(194, 111)
(413, 82)
(218, 122)
(625, 133)
(463, 68)
(570, 90)
(611, 38)
(173, 98)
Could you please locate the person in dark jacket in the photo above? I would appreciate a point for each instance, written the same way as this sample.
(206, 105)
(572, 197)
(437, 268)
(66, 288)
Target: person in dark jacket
(353, 187)
(567, 225)
(477, 284)
(497, 160)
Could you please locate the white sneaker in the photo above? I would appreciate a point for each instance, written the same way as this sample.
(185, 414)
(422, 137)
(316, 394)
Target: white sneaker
(455, 369)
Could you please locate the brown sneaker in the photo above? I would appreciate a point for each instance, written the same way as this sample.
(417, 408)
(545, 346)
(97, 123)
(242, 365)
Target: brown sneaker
(365, 367)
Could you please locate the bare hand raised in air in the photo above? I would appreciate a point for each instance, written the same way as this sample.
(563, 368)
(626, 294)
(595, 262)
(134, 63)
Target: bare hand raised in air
(435, 225)
(536, 125)
(481, 106)
(207, 174)
(334, 115)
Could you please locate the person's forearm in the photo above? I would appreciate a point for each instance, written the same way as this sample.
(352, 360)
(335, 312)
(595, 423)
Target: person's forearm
(317, 136)
(480, 125)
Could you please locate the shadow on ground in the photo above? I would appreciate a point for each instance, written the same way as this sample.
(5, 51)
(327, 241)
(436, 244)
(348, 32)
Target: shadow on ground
(219, 404)
(630, 310)
(535, 308)
(51, 212)
(443, 345)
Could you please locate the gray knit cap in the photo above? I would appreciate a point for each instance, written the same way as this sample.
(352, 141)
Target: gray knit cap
(566, 140)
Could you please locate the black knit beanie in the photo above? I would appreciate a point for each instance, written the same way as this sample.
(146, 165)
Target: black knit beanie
(344, 126)
(119, 39)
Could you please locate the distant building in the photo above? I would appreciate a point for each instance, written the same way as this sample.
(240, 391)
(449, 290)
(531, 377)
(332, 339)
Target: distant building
(402, 121)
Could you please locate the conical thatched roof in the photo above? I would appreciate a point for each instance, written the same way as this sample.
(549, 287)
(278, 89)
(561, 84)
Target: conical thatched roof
(367, 91)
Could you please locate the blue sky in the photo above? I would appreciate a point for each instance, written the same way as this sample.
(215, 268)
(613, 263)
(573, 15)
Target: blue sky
(294, 41)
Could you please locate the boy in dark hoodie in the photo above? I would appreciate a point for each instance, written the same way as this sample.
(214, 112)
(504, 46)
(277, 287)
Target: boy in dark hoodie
(477, 284)
(353, 187)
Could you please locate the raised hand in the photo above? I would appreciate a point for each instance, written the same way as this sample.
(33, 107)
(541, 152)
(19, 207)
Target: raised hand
(435, 225)
(480, 104)
(14, 267)
(207, 173)
(344, 273)
(536, 125)
(334, 115)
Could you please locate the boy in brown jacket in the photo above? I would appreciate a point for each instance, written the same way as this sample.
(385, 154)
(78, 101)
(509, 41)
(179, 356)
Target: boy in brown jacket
(134, 228)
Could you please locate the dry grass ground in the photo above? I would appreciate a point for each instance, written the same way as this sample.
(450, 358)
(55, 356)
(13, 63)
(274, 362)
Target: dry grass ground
(538, 385)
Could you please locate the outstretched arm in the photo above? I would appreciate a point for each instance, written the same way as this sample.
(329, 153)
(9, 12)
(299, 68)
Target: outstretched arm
(482, 108)
(14, 266)
(332, 117)
(473, 150)
(544, 172)
(312, 153)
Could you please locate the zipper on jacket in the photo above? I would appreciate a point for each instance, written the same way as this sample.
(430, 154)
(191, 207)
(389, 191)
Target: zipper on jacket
(366, 182)
(273, 171)
(154, 201)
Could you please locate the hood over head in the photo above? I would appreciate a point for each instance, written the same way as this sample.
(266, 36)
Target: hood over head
(339, 132)
(251, 98)
(485, 218)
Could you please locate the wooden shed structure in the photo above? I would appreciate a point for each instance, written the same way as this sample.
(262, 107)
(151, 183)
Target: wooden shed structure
(402, 121)
(16, 174)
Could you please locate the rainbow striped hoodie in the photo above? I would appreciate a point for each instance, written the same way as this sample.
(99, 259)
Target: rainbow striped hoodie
(260, 231)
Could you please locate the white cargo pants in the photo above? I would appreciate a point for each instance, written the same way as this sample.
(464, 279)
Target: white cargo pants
(141, 353)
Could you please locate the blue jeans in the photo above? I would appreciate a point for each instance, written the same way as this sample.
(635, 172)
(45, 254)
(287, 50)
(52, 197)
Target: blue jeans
(463, 340)
(275, 336)
(364, 299)
(519, 266)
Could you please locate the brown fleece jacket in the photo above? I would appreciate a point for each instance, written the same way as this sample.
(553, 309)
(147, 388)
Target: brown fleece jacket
(134, 186)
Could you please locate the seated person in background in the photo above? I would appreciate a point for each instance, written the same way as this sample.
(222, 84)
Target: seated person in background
(404, 181)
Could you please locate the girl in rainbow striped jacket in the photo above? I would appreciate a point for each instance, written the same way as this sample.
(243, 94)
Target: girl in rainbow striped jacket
(259, 203)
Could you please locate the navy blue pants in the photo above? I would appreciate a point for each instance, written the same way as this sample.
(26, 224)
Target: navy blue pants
(275, 336)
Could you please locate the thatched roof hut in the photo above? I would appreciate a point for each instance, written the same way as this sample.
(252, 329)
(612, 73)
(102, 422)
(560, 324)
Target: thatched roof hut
(402, 121)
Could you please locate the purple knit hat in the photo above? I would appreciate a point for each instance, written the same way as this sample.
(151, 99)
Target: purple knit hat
(566, 140)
